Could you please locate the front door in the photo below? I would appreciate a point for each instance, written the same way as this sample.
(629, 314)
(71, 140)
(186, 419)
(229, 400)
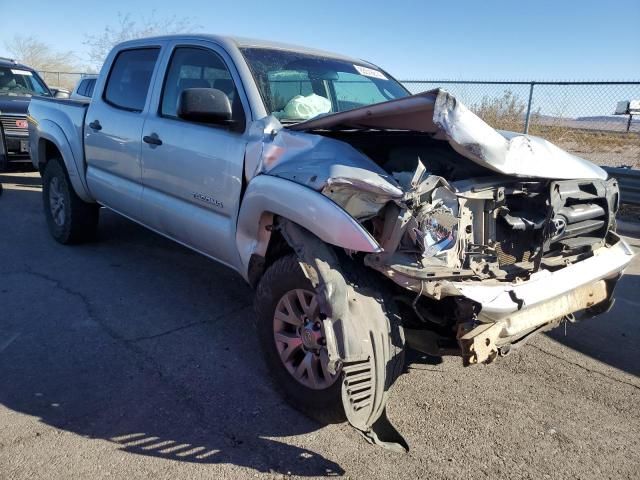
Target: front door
(192, 172)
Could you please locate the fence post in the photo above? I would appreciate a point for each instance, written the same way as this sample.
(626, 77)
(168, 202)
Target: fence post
(58, 85)
(526, 119)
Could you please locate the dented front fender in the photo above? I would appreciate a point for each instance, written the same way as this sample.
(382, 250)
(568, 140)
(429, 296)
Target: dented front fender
(268, 195)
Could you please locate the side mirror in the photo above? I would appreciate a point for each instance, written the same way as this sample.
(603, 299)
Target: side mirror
(60, 93)
(206, 105)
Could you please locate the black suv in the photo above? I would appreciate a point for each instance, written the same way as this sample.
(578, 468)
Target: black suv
(18, 83)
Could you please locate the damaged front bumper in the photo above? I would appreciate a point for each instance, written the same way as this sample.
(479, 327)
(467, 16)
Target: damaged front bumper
(512, 312)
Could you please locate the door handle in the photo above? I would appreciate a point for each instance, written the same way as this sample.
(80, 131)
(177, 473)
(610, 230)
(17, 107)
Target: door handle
(152, 139)
(95, 125)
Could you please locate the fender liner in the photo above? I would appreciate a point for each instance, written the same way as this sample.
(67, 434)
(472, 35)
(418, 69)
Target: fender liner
(362, 338)
(267, 195)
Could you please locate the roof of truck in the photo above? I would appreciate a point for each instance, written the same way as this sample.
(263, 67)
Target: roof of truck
(228, 42)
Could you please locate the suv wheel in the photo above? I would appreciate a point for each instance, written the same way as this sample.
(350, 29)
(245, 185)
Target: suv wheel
(70, 219)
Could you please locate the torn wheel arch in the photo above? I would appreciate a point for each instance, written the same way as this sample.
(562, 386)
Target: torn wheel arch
(363, 331)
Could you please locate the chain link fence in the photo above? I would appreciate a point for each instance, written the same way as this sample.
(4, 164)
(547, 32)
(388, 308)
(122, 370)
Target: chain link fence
(577, 116)
(66, 80)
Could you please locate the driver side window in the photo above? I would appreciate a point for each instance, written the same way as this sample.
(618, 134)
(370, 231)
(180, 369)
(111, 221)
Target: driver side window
(197, 68)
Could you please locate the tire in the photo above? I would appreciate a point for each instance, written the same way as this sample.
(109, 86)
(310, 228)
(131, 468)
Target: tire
(325, 405)
(283, 276)
(70, 219)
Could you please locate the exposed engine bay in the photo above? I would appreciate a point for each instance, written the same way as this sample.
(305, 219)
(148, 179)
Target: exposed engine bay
(452, 203)
(457, 222)
(484, 238)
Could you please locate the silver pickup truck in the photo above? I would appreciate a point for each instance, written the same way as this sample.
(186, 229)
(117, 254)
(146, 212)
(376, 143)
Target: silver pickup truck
(369, 220)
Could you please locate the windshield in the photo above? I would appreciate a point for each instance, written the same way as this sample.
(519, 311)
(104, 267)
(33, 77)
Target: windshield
(17, 81)
(297, 86)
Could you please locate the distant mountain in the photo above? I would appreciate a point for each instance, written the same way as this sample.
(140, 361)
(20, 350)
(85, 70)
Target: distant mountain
(617, 123)
(608, 118)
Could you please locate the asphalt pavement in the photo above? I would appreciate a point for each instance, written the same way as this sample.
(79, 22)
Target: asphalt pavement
(133, 357)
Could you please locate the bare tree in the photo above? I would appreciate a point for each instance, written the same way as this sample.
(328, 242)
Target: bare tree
(127, 29)
(36, 54)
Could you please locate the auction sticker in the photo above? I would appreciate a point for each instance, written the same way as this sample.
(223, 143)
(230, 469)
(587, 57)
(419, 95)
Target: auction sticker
(369, 72)
(21, 72)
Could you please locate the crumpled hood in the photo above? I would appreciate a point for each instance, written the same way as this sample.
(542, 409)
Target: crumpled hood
(441, 114)
(315, 161)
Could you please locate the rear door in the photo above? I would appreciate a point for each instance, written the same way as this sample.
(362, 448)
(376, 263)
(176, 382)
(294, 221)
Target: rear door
(192, 172)
(113, 131)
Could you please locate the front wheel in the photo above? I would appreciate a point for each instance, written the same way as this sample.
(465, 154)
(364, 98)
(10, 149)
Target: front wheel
(69, 218)
(291, 335)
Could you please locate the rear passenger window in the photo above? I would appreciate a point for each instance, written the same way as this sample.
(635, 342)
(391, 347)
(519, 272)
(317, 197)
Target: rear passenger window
(197, 68)
(129, 79)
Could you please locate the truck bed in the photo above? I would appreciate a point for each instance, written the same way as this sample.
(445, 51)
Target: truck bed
(68, 115)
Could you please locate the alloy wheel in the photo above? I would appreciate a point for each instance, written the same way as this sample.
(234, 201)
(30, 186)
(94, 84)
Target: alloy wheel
(298, 332)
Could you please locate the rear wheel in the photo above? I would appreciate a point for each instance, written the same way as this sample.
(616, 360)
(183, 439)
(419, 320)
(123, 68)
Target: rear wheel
(69, 218)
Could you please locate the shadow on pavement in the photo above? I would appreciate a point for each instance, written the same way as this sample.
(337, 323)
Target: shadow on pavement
(139, 342)
(612, 338)
(27, 181)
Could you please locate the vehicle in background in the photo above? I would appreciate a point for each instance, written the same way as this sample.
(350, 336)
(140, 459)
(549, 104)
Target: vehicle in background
(84, 88)
(18, 83)
(367, 218)
(60, 92)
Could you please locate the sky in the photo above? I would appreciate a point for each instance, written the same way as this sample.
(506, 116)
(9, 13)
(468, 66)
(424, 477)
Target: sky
(482, 39)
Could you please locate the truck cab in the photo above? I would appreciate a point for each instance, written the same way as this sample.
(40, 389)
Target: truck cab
(134, 135)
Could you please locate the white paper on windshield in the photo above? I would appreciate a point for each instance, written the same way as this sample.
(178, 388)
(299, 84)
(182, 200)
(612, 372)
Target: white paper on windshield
(369, 72)
(21, 72)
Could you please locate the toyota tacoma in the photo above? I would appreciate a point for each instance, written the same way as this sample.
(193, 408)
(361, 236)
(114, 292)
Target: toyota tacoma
(369, 220)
